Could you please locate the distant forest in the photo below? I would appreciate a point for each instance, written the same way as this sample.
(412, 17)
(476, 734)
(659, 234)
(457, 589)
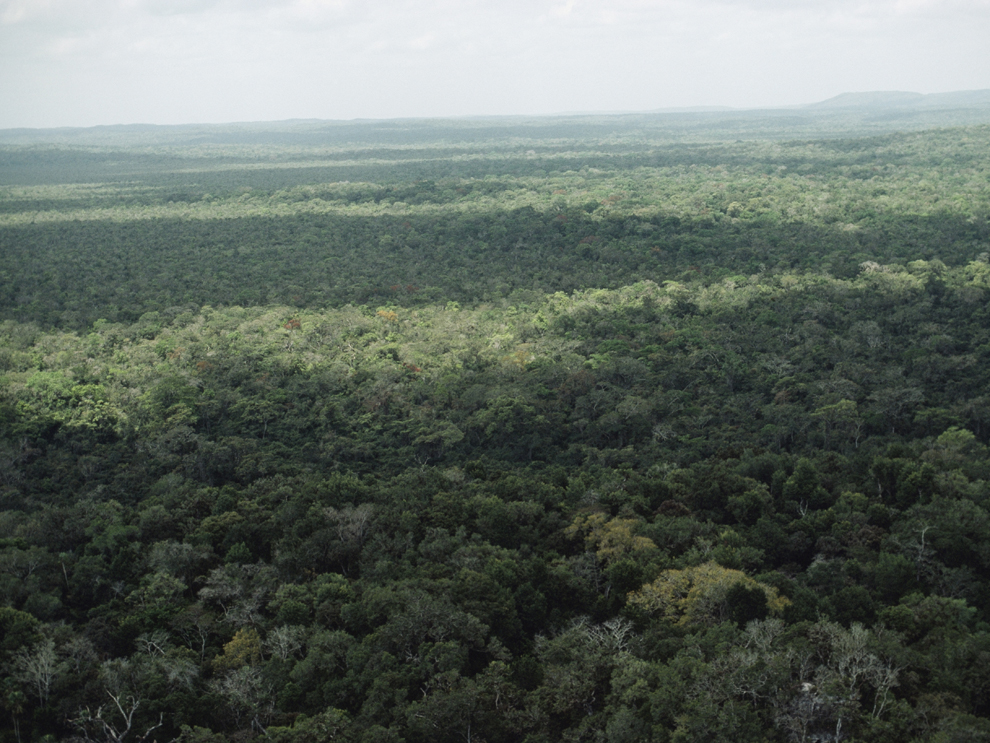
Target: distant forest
(639, 428)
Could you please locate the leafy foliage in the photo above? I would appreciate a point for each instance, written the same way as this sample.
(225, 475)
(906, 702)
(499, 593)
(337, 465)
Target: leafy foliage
(649, 438)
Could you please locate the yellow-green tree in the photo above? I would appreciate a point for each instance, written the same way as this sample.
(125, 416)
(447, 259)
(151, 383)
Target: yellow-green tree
(244, 649)
(699, 595)
(610, 540)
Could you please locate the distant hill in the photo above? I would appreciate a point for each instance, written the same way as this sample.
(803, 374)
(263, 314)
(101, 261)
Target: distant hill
(901, 99)
(848, 114)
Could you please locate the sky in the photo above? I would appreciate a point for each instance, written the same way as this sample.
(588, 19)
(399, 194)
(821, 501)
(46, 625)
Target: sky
(94, 62)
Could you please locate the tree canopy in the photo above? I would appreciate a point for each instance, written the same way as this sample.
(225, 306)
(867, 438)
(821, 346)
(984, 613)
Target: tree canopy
(541, 434)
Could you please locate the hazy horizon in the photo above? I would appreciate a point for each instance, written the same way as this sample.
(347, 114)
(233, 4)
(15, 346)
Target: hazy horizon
(714, 109)
(107, 62)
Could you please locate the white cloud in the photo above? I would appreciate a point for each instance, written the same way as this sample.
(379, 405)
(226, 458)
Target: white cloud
(103, 61)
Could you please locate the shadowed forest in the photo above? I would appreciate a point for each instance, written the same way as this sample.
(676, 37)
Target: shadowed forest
(607, 429)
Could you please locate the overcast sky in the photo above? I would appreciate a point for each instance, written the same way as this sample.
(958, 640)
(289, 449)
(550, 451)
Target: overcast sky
(88, 62)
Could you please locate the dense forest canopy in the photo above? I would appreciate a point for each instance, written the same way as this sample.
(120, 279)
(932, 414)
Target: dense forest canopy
(646, 428)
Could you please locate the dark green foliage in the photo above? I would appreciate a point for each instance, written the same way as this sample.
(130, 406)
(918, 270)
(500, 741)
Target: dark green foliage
(746, 604)
(374, 444)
